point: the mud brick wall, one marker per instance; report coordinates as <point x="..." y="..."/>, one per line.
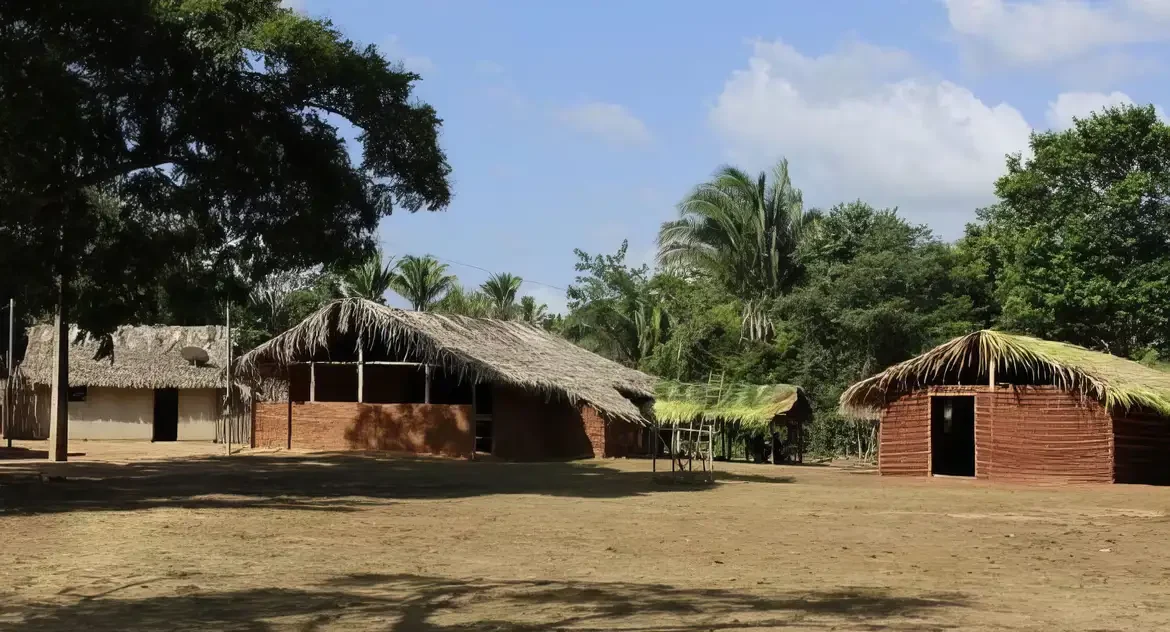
<point x="904" y="448"/>
<point x="1025" y="434"/>
<point x="1042" y="434"/>
<point x="414" y="428"/>
<point x="531" y="427"/>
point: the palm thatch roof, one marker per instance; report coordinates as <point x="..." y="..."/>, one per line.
<point x="1115" y="382"/>
<point x="487" y="350"/>
<point x="753" y="405"/>
<point x="141" y="357"/>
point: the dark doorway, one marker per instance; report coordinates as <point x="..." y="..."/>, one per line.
<point x="166" y="414"/>
<point x="952" y="436"/>
<point x="483" y="417"/>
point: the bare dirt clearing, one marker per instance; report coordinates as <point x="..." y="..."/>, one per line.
<point x="344" y="541"/>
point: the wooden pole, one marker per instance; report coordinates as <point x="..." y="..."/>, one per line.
<point x="227" y="424"/>
<point x="59" y="408"/>
<point x="9" y="405"/>
<point x="991" y="375"/>
<point x="361" y="371"/>
<point x="654" y="449"/>
<point x="312" y="381"/>
<point x="427" y="388"/>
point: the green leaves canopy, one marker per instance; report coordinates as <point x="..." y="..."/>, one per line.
<point x="194" y="139"/>
<point x="1080" y="237"/>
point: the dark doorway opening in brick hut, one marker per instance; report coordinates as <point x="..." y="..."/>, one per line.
<point x="952" y="436"/>
<point x="483" y="417"/>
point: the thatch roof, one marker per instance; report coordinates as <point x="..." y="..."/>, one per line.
<point x="487" y="350"/>
<point x="143" y="357"/>
<point x="1115" y="382"/>
<point x="753" y="405"/>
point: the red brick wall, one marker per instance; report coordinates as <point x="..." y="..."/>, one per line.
<point x="1021" y="434"/>
<point x="1042" y="434"/>
<point x="529" y="427"/>
<point x="1141" y="442"/>
<point x="904" y="448"/>
<point x="270" y="425"/>
<point x="416" y="428"/>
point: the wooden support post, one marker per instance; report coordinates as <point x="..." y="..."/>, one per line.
<point x="312" y="381"/>
<point x="361" y="372"/>
<point x="231" y="409"/>
<point x="59" y="406"/>
<point x="427" y="388"/>
<point x="991" y="377"/>
<point x="9" y="391"/>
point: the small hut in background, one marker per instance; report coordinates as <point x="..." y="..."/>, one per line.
<point x="768" y="417"/>
<point x="1000" y="406"/>
<point x="143" y="388"/>
<point x="364" y="376"/>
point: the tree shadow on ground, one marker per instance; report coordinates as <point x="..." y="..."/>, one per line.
<point x="412" y="603"/>
<point x="324" y="482"/>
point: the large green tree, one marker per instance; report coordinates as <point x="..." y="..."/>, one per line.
<point x="191" y="143"/>
<point x="1080" y="235"/>
<point x="147" y="141"/>
<point x="613" y="310"/>
<point x="742" y="232"/>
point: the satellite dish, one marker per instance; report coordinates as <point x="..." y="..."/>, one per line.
<point x="194" y="355"/>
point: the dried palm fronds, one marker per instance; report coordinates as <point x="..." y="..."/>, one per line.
<point x="482" y="349"/>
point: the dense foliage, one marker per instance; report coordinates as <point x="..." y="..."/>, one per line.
<point x="1076" y="249"/>
<point x="159" y="157"/>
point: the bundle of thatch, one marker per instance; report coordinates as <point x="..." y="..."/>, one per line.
<point x="753" y="406"/>
<point x="481" y="349"/>
<point x="1021" y="360"/>
<point x="138" y="357"/>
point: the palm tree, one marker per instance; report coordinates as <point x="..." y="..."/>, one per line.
<point x="742" y="232"/>
<point x="531" y="312"/>
<point x="464" y="302"/>
<point x="369" y="280"/>
<point x="421" y="281"/>
<point x="501" y="288"/>
<point x="626" y="330"/>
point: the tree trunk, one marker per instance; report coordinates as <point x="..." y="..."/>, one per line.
<point x="59" y="407"/>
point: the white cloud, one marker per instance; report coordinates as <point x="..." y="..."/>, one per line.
<point x="1071" y="105"/>
<point x="392" y="48"/>
<point x="1042" y="32"/>
<point x="860" y="123"/>
<point x="295" y="5"/>
<point x="609" y="121"/>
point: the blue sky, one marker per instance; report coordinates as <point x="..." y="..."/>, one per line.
<point x="580" y="124"/>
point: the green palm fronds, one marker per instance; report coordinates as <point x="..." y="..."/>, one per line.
<point x="753" y="405"/>
<point x="421" y="280"/>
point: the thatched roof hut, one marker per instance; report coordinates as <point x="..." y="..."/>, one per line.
<point x="1115" y="382"/>
<point x="1010" y="407"/>
<point x="754" y="406"/>
<point x="141" y="357"/>
<point x="482" y="349"/>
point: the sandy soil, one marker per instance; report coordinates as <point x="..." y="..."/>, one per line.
<point x="191" y="539"/>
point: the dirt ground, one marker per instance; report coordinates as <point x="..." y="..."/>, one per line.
<point x="187" y="538"/>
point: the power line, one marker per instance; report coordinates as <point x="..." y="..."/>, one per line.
<point x="468" y="265"/>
